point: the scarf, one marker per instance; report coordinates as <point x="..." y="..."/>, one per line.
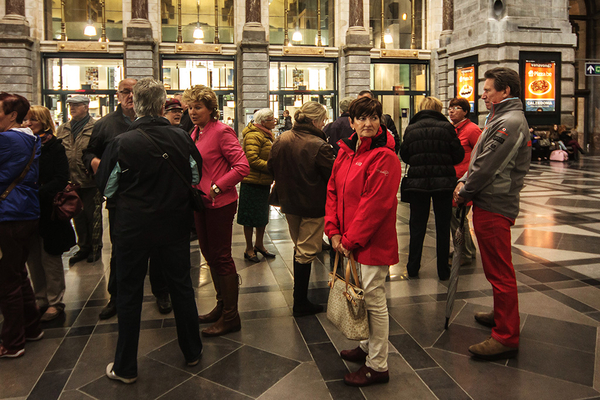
<point x="77" y="126"/>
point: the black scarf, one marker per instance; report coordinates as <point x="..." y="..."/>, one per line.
<point x="77" y="126"/>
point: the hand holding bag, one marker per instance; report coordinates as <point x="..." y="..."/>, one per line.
<point x="346" y="307"/>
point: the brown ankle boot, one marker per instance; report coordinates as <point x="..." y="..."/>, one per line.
<point x="230" y="319"/>
<point x="216" y="312"/>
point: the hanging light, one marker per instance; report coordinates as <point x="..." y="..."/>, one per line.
<point x="198" y="32"/>
<point x="404" y="17"/>
<point x="387" y="39"/>
<point x="90" y="29"/>
<point x="297" y="36"/>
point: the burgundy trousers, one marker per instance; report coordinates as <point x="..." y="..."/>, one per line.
<point x="493" y="237"/>
<point x="214" y="228"/>
<point x="17" y="300"/>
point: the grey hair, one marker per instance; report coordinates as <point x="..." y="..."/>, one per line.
<point x="345" y="103"/>
<point x="262" y="115"/>
<point x="149" y="97"/>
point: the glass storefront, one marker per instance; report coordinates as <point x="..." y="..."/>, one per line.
<point x="97" y="78"/>
<point x="400" y="85"/>
<point x="302" y="22"/>
<point x="398" y="18"/>
<point x="79" y="14"/>
<point x="180" y="73"/>
<point x="293" y="83"/>
<point x="198" y="20"/>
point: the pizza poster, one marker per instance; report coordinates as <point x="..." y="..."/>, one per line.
<point x="465" y="87"/>
<point x="539" y="90"/>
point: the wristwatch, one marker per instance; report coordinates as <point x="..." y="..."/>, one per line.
<point x="216" y="189"/>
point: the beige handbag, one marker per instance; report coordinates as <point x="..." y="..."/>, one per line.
<point x="346" y="307"/>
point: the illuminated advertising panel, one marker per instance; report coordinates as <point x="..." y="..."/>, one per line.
<point x="540" y="86"/>
<point x="465" y="87"/>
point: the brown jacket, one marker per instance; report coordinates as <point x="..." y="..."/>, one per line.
<point x="74" y="149"/>
<point x="301" y="161"/>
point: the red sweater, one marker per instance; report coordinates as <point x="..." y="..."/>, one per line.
<point x="468" y="133"/>
<point x="362" y="199"/>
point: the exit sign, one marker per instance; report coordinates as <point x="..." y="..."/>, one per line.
<point x="592" y="69"/>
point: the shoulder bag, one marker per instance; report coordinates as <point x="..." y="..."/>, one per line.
<point x="67" y="203"/>
<point x="195" y="194"/>
<point x="346" y="307"/>
<point x="4" y="195"/>
<point x="404" y="194"/>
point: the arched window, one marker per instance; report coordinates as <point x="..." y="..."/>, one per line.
<point x="197" y="21"/>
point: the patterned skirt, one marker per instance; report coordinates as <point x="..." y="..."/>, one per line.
<point x="253" y="209"/>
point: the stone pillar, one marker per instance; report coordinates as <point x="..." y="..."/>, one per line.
<point x="140" y="57"/>
<point x="356" y="52"/>
<point x="447" y="23"/>
<point x="252" y="65"/>
<point x="17" y="52"/>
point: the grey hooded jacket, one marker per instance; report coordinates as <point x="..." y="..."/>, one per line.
<point x="499" y="161"/>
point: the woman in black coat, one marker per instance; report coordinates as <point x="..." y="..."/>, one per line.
<point x="431" y="149"/>
<point x="55" y="236"/>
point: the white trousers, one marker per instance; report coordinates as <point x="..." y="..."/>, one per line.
<point x="372" y="279"/>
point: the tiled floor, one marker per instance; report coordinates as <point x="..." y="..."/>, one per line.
<point x="556" y="253"/>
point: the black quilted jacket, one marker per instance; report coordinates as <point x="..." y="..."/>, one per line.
<point x="431" y="148"/>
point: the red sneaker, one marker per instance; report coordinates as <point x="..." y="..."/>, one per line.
<point x="355" y="355"/>
<point x="366" y="376"/>
<point x="5" y="353"/>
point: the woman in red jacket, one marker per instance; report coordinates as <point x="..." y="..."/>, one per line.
<point x="468" y="133"/>
<point x="361" y="219"/>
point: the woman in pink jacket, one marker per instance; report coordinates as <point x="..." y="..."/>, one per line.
<point x="360" y="218"/>
<point x="224" y="165"/>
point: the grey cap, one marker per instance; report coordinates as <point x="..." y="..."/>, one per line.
<point x="345" y="103"/>
<point x="78" y="100"/>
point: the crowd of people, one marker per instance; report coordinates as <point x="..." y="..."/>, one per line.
<point x="152" y="155"/>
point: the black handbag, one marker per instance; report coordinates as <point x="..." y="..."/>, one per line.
<point x="404" y="194"/>
<point x="195" y="194"/>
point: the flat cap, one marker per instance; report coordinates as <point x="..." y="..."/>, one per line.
<point x="78" y="100"/>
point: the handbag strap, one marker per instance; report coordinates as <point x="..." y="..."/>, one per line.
<point x="350" y="269"/>
<point x="20" y="177"/>
<point x="165" y="155"/>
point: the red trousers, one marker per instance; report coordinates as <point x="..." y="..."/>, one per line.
<point x="214" y="228"/>
<point x="493" y="236"/>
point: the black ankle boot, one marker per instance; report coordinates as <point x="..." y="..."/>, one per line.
<point x="302" y="306"/>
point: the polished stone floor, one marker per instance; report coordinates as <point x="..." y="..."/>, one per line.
<point x="556" y="253"/>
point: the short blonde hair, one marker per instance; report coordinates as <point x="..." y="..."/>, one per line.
<point x="309" y="112"/>
<point x="42" y="114"/>
<point x="431" y="103"/>
<point x="204" y="95"/>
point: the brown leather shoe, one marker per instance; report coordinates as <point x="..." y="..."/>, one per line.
<point x="486" y="318"/>
<point x="492" y="350"/>
<point x="366" y="376"/>
<point x="354" y="355"/>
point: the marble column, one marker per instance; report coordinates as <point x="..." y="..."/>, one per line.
<point x="18" y="59"/>
<point x="252" y="65"/>
<point x="356" y="53"/>
<point x="141" y="52"/>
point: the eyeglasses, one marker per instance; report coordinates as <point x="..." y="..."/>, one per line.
<point x="125" y="92"/>
<point x="455" y="108"/>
